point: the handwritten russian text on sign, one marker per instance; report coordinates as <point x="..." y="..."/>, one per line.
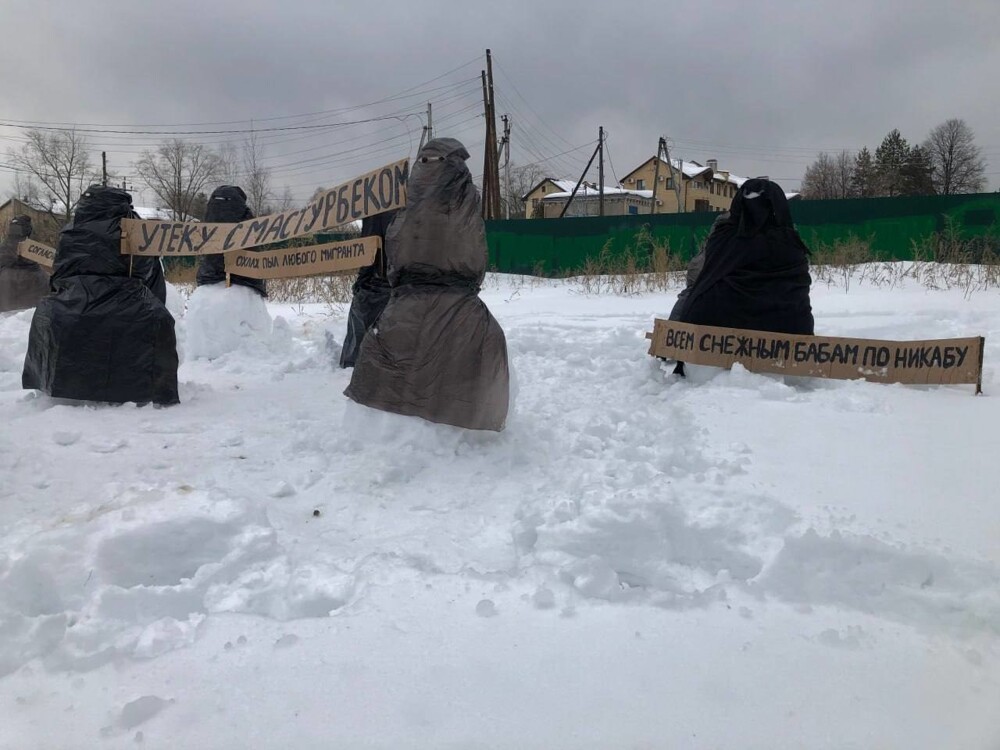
<point x="43" y="255"/>
<point x="376" y="192"/>
<point x="304" y="261"/>
<point x="935" y="362"/>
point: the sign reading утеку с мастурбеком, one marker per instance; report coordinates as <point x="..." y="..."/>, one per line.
<point x="381" y="190"/>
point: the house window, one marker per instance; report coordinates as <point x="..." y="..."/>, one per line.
<point x="633" y="209"/>
<point x="534" y="203"/>
<point x="670" y="183"/>
<point x="640" y="184"/>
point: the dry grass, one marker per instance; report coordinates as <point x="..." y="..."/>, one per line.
<point x="646" y="265"/>
<point x="944" y="260"/>
<point x="179" y="272"/>
<point x="333" y="290"/>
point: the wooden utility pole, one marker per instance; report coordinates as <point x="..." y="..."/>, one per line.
<point x="680" y="174"/>
<point x="600" y="171"/>
<point x="580" y="182"/>
<point x="104" y="168"/>
<point x="491" y="171"/>
<point x="487" y="162"/>
<point x="426" y="133"/>
<point x="505" y="147"/>
<point x="656" y="173"/>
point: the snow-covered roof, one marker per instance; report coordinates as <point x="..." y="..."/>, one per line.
<point x="589" y="191"/>
<point x="692" y="169"/>
<point x="565" y="186"/>
<point x="148" y="213"/>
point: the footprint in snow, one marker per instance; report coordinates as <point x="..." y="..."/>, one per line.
<point x="108" y="446"/>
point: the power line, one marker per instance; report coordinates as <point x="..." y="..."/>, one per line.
<point x="218" y="132"/>
<point x="610" y="160"/>
<point x="405" y="93"/>
<point x="509" y="80"/>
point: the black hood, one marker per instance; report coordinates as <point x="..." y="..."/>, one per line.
<point x="91" y="244"/>
<point x="20" y="228"/>
<point x="227" y="205"/>
<point x="760" y="205"/>
<point x="100" y="203"/>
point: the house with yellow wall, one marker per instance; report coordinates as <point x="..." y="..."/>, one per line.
<point x="533" y="207"/>
<point x="547" y="199"/>
<point x="702" y="188"/>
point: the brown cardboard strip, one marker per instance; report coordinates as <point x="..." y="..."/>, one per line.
<point x="930" y="362"/>
<point x="381" y="190"/>
<point x="304" y="261"/>
<point x="43" y="255"/>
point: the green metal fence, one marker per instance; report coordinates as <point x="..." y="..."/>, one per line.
<point x="890" y="225"/>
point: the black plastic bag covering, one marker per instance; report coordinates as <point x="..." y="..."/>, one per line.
<point x="102" y="335"/>
<point x="756" y="271"/>
<point x="84" y="249"/>
<point x="695" y="265"/>
<point x="370" y="291"/>
<point x="436" y="352"/>
<point x="227" y="205"/>
<point x="22" y="281"/>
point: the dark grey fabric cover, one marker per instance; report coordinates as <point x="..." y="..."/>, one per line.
<point x="436" y="352"/>
<point x="371" y="291"/>
<point x="227" y="205"/>
<point x="22" y="282"/>
<point x="104" y="333"/>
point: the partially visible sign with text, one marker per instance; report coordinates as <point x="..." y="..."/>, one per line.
<point x="43" y="255"/>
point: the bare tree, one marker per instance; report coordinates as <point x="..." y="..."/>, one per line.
<point x="256" y="177"/>
<point x="231" y="172"/>
<point x="177" y="172"/>
<point x="60" y="162"/>
<point x="843" y="174"/>
<point x="956" y="162"/>
<point x="277" y="205"/>
<point x="522" y="179"/>
<point x="244" y="167"/>
<point x="828" y="177"/>
<point x="27" y="190"/>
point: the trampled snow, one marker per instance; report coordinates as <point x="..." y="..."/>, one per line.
<point x="734" y="560"/>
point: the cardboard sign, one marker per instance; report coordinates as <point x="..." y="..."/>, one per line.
<point x="376" y="192"/>
<point x="936" y="362"/>
<point x="304" y="261"/>
<point x="43" y="255"/>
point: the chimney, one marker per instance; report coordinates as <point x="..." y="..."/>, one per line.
<point x="713" y="164"/>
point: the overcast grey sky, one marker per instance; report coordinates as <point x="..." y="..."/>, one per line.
<point x="761" y="86"/>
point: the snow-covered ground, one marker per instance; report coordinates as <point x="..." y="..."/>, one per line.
<point x="731" y="561"/>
